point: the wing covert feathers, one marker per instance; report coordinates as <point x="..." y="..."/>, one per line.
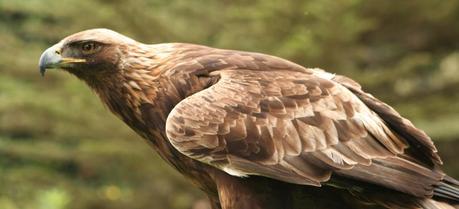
<point x="423" y="148"/>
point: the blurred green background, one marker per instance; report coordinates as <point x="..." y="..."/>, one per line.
<point x="60" y="148"/>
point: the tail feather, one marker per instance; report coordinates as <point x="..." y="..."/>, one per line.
<point x="450" y="180"/>
<point x="448" y="190"/>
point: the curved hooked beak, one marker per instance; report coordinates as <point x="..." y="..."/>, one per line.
<point x="52" y="58"/>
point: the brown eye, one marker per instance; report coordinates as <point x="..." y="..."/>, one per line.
<point x="88" y="48"/>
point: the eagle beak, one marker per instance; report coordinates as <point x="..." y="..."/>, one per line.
<point x="52" y="58"/>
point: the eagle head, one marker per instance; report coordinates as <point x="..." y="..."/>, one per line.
<point x="90" y="54"/>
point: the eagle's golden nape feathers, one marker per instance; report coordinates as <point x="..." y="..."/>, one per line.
<point x="257" y="131"/>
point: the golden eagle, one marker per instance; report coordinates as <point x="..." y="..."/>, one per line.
<point x="256" y="131"/>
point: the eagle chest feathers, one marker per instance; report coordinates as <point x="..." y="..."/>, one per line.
<point x="257" y="131"/>
<point x="150" y="88"/>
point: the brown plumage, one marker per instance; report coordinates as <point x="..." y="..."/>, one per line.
<point x="257" y="131"/>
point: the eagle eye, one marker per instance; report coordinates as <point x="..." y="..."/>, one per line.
<point x="89" y="47"/>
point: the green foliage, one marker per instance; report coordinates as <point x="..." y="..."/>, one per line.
<point x="60" y="148"/>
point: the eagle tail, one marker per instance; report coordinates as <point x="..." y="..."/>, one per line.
<point x="448" y="189"/>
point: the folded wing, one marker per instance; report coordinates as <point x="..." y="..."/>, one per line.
<point x="301" y="128"/>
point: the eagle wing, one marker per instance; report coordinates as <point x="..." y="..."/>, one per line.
<point x="300" y="126"/>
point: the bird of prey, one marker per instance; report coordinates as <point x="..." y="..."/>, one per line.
<point x="256" y="131"/>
